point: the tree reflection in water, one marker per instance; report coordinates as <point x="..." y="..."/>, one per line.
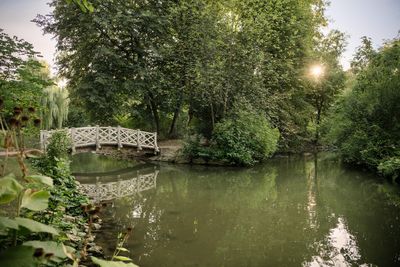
<point x="288" y="212"/>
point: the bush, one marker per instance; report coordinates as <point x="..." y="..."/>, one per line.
<point x="245" y="138"/>
<point x="56" y="165"/>
<point x="242" y="139"/>
<point x="194" y="149"/>
<point x="390" y="167"/>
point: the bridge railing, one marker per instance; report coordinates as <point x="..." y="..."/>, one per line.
<point x="98" y="136"/>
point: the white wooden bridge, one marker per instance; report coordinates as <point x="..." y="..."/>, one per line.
<point x="112" y="190"/>
<point x="98" y="136"/>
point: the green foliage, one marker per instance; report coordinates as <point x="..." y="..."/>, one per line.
<point x="35" y="200"/>
<point x="34" y="253"/>
<point x="322" y="90"/>
<point x="58" y="146"/>
<point x="364" y="124"/>
<point x="77" y="117"/>
<point x="22" y="76"/>
<point x="9" y="189"/>
<point x="180" y="64"/>
<point x="390" y="167"/>
<point x="41" y="202"/>
<point x="84" y="5"/>
<point x="32" y="196"/>
<point x="244" y="139"/>
<point x="56" y="164"/>
<point x="55" y="103"/>
<point x="194" y="149"/>
<point x="34" y="226"/>
<point x="19" y="256"/>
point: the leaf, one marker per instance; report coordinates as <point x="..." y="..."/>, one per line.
<point x="20" y="256"/>
<point x="9" y="189"/>
<point x="104" y="263"/>
<point x="7" y="223"/>
<point x="40" y="179"/>
<point x="35" y="200"/>
<point x="122" y="249"/>
<point x="35" y="226"/>
<point x="51" y="247"/>
<point x="122" y="258"/>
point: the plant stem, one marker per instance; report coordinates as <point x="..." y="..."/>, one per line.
<point x="19" y="200"/>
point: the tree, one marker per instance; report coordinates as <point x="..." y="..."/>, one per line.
<point x="363" y="55"/>
<point x="22" y="76"/>
<point x="323" y="90"/>
<point x="187" y="63"/>
<point x="365" y="125"/>
<point x="55" y="103"/>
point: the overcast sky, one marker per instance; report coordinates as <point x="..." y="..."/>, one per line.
<point x="378" y="19"/>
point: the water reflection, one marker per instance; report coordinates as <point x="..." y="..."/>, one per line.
<point x="312" y="193"/>
<point x="288" y="212"/>
<point x="339" y="248"/>
<point x="124" y="183"/>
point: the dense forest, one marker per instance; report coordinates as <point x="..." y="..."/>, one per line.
<point x="239" y="80"/>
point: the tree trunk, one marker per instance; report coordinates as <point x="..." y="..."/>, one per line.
<point x="317" y="122"/>
<point x="190" y="115"/>
<point x="154" y="110"/>
<point x="172" y="130"/>
<point x="212" y="116"/>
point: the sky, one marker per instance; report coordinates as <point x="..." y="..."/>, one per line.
<point x="378" y="19"/>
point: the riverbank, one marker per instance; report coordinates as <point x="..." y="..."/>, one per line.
<point x="172" y="151"/>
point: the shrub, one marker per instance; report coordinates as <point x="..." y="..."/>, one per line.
<point x="56" y="165"/>
<point x="194" y="149"/>
<point x="244" y="138"/>
<point x="390" y="167"/>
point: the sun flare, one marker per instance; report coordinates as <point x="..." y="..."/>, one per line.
<point x="317" y="71"/>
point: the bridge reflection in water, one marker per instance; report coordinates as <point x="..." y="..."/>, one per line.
<point x="108" y="186"/>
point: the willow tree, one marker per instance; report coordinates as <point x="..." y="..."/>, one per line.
<point x="55" y="107"/>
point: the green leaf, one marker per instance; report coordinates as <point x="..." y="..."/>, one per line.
<point x="35" y="226"/>
<point x="20" y="256"/>
<point x="7" y="223"/>
<point x="9" y="189"/>
<point x="104" y="263"/>
<point x="50" y="247"/>
<point x="122" y="249"/>
<point x="35" y="200"/>
<point x="41" y="179"/>
<point x="122" y="258"/>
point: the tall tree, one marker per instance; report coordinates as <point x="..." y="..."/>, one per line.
<point x="364" y="54"/>
<point x="193" y="61"/>
<point x="322" y="90"/>
<point x="22" y="76"/>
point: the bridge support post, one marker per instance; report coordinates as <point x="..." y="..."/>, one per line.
<point x="119" y="137"/>
<point x="97" y="138"/>
<point x="139" y="147"/>
<point x="156" y="149"/>
<point x="73" y="140"/>
<point x="43" y="140"/>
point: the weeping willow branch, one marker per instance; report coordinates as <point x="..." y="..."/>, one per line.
<point x="55" y="103"/>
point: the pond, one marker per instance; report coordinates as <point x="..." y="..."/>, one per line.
<point x="297" y="211"/>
